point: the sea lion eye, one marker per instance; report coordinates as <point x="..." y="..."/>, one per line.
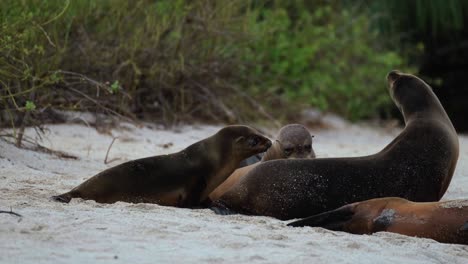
<point x="253" y="141"/>
<point x="308" y="147"/>
<point x="288" y="151"/>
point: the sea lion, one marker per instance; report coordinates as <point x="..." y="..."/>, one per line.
<point x="417" y="165"/>
<point x="294" y="141"/>
<point x="445" y="222"/>
<point x="251" y="160"/>
<point x="182" y="179"/>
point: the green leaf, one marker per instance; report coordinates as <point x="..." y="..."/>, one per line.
<point x="55" y="77"/>
<point x="30" y="106"/>
<point x="115" y="87"/>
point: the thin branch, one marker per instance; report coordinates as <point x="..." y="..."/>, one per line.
<point x="216" y="102"/>
<point x="59" y="15"/>
<point x="57" y="153"/>
<point x="81" y="76"/>
<point x="10" y="212"/>
<point x="46" y="35"/>
<point x="24" y="120"/>
<point x="98" y="104"/>
<point x="254" y="103"/>
<point x="37" y="147"/>
<point x="92" y="81"/>
<point x="108" y="150"/>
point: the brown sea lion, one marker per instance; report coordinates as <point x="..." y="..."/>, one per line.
<point x="446" y="222"/>
<point x="293" y="141"/>
<point x="417" y="165"/>
<point x="182" y="179"/>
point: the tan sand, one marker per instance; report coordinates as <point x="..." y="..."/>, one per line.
<point x="87" y="232"/>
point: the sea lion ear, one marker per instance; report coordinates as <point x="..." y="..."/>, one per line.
<point x="240" y="139"/>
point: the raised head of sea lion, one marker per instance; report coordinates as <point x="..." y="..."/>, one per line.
<point x="182" y="179"/>
<point x="442" y="221"/>
<point x="294" y="141"/>
<point x="417" y="165"/>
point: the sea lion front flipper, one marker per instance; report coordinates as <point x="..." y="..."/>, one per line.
<point x="63" y="198"/>
<point x="332" y="220"/>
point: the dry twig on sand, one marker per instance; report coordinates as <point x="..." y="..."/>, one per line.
<point x="11" y="213"/>
<point x="107" y="153"/>
<point x="38" y="147"/>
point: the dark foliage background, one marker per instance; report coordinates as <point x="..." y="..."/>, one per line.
<point x="438" y="31"/>
<point x="172" y="61"/>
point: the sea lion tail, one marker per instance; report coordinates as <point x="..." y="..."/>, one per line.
<point x="63" y="198"/>
<point x="332" y="220"/>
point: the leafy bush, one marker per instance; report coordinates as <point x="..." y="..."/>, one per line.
<point x="326" y="57"/>
<point x="180" y="60"/>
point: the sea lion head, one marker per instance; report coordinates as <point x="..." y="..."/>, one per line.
<point x="295" y="142"/>
<point x="410" y="93"/>
<point x="244" y="140"/>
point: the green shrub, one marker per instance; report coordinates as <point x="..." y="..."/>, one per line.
<point x="162" y="60"/>
<point x="180" y="60"/>
<point x="324" y="56"/>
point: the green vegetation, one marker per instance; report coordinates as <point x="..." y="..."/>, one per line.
<point x="438" y="31"/>
<point x="180" y="60"/>
<point x="431" y="18"/>
<point x="324" y="56"/>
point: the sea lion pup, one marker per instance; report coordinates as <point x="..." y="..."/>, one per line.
<point x="182" y="179"/>
<point x="417" y="165"/>
<point x="293" y="141"/>
<point x="445" y="222"/>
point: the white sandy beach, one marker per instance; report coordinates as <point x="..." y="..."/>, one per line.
<point x="88" y="232"/>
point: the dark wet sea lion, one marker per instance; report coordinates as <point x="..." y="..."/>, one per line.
<point x="417" y="165"/>
<point x="445" y="222"/>
<point x="294" y="141"/>
<point x="183" y="179"/>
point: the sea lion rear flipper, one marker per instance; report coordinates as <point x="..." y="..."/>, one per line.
<point x="63" y="198"/>
<point x="332" y="220"/>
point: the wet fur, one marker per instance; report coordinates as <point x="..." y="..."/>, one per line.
<point x="417" y="165"/>
<point x="292" y="135"/>
<point x="429" y="220"/>
<point x="182" y="179"/>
